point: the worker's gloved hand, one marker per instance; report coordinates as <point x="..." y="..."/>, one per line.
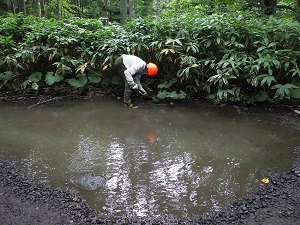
<point x="134" y="86"/>
<point x="143" y="92"/>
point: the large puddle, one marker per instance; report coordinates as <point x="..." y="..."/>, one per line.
<point x="158" y="159"/>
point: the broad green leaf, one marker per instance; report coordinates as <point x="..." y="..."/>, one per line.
<point x="276" y="63"/>
<point x="283" y="91"/>
<point x="173" y="95"/>
<point x="162" y="94"/>
<point x="35" y="77"/>
<point x="267" y="79"/>
<point x="208" y="43"/>
<point x="295" y="71"/>
<point x="94" y="78"/>
<point x="173" y="81"/>
<point x="295" y="93"/>
<point x="117" y="80"/>
<point x="165" y="84"/>
<point x="7" y="75"/>
<point x="261" y="96"/>
<point x="221" y="93"/>
<point x="79" y="82"/>
<point x="272" y="44"/>
<point x="50" y="79"/>
<point x="178" y="41"/>
<point x="255" y="68"/>
<point x="261" y="48"/>
<point x="182" y="95"/>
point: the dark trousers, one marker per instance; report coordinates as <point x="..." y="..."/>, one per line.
<point x="119" y="65"/>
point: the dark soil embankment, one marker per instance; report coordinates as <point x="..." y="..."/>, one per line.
<point x="23" y="201"/>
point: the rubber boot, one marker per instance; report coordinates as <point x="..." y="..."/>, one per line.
<point x="130" y="105"/>
<point x="127" y="94"/>
<point x="127" y="98"/>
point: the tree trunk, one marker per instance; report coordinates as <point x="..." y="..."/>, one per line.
<point x="58" y="10"/>
<point x="11" y="6"/>
<point x="123" y="11"/>
<point x="4" y="7"/>
<point x="24" y="7"/>
<point x="158" y="6"/>
<point x="78" y="10"/>
<point x="131" y="8"/>
<point x="43" y="11"/>
<point x="298" y="11"/>
<point x="18" y="6"/>
<point x="177" y="5"/>
<point x="36" y="8"/>
<point x="268" y="7"/>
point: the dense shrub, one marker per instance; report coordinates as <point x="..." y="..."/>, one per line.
<point x="236" y="58"/>
<point x="222" y="56"/>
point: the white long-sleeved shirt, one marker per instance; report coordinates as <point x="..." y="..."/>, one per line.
<point x="135" y="67"/>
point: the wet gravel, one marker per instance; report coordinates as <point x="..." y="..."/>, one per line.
<point x="24" y="201"/>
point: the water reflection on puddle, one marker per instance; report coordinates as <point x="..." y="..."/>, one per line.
<point x="156" y="159"/>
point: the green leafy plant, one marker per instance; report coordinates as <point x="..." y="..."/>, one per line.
<point x="35" y="77"/>
<point x="50" y="78"/>
<point x="7" y="75"/>
<point x="165" y="91"/>
<point x="79" y="82"/>
<point x="224" y="56"/>
<point x="295" y="92"/>
<point x="32" y="81"/>
<point x="283" y="91"/>
<point x="94" y="78"/>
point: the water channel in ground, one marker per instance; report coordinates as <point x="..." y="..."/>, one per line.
<point x="158" y="159"/>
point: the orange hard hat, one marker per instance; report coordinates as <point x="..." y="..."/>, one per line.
<point x="152" y="69"/>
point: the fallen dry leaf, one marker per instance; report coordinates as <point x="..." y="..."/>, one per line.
<point x="265" y="180"/>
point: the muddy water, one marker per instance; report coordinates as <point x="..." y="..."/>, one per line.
<point x="181" y="160"/>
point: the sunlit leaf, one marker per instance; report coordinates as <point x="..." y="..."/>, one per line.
<point x="81" y="68"/>
<point x="25" y="84"/>
<point x="34" y="86"/>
